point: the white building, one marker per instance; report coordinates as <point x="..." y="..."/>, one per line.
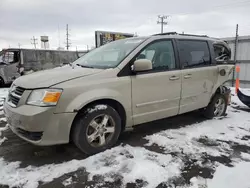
<point x="242" y="57"/>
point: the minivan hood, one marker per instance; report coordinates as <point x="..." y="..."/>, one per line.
<point x="54" y="76"/>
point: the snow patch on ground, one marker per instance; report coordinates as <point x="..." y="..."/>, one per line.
<point x="67" y="182"/>
<point x="130" y="162"/>
<point x="97" y="107"/>
<point x="245" y="156"/>
<point x="2" y="140"/>
<point x="189" y="140"/>
<point x="3" y="119"/>
<point x="136" y="163"/>
<point x="238" y="176"/>
<point x="198" y="182"/>
<point x="3" y="93"/>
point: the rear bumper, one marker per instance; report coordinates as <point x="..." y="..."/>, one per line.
<point x="39" y="125"/>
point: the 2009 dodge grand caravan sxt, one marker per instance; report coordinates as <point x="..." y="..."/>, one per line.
<point x="117" y="86"/>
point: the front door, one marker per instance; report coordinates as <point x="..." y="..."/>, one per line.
<point x="198" y="74"/>
<point x="156" y="93"/>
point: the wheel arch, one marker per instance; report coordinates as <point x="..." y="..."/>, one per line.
<point x="108" y="101"/>
<point x="221" y="89"/>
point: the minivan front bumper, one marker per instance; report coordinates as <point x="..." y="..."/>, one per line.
<point x="39" y="125"/>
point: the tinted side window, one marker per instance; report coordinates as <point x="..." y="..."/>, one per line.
<point x="161" y="53"/>
<point x="194" y="53"/>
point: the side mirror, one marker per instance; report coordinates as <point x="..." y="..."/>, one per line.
<point x="142" y="65"/>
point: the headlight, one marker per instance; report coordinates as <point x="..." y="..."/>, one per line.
<point x="44" y="97"/>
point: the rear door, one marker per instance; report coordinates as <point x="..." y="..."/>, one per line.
<point x="198" y="74"/>
<point x="156" y="93"/>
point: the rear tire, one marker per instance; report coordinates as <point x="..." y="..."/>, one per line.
<point x="96" y="129"/>
<point x="217" y="107"/>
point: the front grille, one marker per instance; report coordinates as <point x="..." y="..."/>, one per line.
<point x="15" y="95"/>
<point x="35" y="136"/>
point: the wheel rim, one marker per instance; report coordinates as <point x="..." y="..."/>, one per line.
<point x="100" y="130"/>
<point x="219" y="107"/>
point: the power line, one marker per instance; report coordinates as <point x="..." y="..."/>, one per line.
<point x="33" y="41"/>
<point x="161" y="21"/>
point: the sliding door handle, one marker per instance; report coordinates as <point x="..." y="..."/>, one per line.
<point x="187" y="76"/>
<point x="172" y="78"/>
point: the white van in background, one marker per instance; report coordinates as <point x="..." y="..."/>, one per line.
<point x="15" y="62"/>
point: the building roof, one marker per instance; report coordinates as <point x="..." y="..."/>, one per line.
<point x="240" y="38"/>
<point x="38" y="49"/>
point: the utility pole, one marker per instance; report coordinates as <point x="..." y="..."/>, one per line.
<point x="19" y="45"/>
<point x="161" y="20"/>
<point x="33" y="42"/>
<point x="235" y="50"/>
<point x="67" y="37"/>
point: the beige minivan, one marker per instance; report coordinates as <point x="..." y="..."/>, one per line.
<point x="117" y="86"/>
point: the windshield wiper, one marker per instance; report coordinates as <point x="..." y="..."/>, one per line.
<point x="85" y="66"/>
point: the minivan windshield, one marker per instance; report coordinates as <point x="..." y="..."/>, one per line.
<point x="109" y="55"/>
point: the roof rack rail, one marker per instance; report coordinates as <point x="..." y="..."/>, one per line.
<point x="168" y="33"/>
<point x="193" y="35"/>
<point x="175" y="33"/>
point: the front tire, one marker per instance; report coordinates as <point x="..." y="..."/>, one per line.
<point x="217" y="107"/>
<point x="96" y="129"/>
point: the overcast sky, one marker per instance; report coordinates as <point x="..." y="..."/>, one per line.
<point x="20" y="20"/>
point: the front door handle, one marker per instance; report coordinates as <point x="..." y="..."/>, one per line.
<point x="174" y="78"/>
<point x="187" y="76"/>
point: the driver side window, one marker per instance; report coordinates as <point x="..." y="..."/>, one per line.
<point x="161" y="54"/>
